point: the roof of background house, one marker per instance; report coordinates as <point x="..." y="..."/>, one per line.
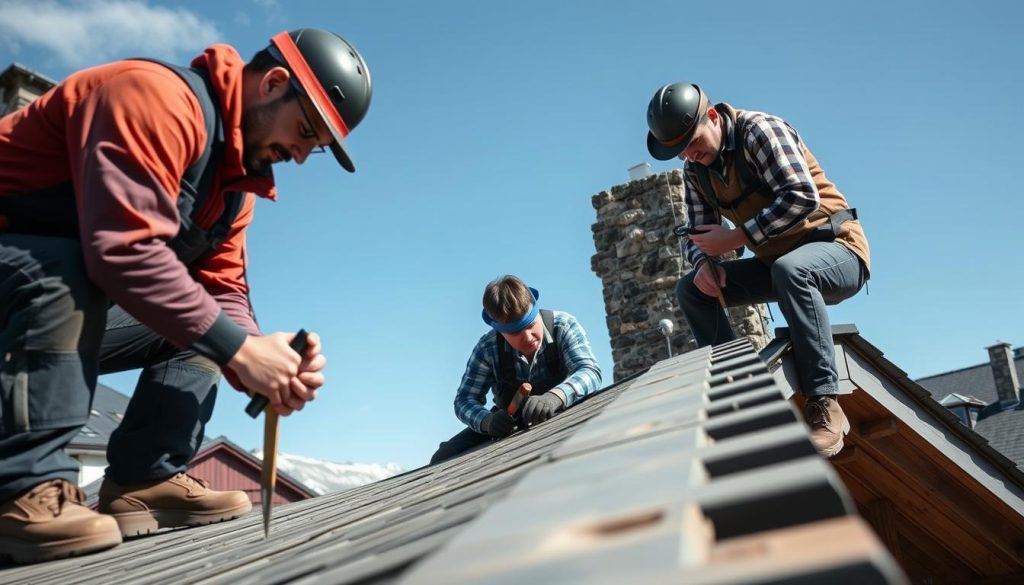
<point x="19" y="69"/>
<point x="108" y="406"/>
<point x="227" y="444"/>
<point x="975" y="381"/>
<point x="1003" y="426"/>
<point x="696" y="471"/>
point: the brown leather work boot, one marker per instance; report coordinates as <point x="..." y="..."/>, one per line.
<point x="177" y="501"/>
<point x="49" y="522"/>
<point x="828" y="424"/>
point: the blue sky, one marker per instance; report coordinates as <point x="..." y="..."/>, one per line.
<point x="493" y="124"/>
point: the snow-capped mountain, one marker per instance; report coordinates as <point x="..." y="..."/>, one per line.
<point x="324" y="477"/>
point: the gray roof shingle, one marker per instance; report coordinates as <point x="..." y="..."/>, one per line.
<point x="637" y="484"/>
<point x="1004" y="429"/>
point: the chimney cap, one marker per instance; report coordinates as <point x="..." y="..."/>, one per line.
<point x="998" y="344"/>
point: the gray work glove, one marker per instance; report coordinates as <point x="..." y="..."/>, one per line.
<point x="540" y="408"/>
<point x="498" y="424"/>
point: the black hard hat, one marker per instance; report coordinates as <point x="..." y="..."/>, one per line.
<point x="334" y="76"/>
<point x="672" y="116"/>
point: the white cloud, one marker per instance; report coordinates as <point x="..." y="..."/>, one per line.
<point x="81" y="32"/>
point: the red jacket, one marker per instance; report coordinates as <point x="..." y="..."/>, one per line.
<point x="123" y="134"/>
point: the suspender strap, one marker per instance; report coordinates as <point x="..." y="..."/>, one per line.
<point x="192" y="242"/>
<point x="840" y="217"/>
<point x="198" y="177"/>
<point x="508" y="382"/>
<point x="748" y="180"/>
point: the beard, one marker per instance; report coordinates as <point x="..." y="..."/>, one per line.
<point x="257" y="125"/>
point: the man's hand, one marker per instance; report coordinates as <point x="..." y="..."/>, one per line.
<point x="714" y="239"/>
<point x="705" y="280"/>
<point x="266" y="365"/>
<point x="498" y="424"/>
<point x="540" y="408"/>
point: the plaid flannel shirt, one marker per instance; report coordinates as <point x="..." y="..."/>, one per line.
<point x="481" y="373"/>
<point x="773" y="151"/>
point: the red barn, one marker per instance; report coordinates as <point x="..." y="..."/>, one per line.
<point x="226" y="466"/>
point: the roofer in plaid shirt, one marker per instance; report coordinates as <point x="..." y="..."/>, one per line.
<point x="809" y="248"/>
<point x="549" y="350"/>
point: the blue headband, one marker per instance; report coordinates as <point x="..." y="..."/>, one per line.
<point x="522" y="323"/>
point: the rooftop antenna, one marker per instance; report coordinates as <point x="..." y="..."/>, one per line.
<point x="665" y="326"/>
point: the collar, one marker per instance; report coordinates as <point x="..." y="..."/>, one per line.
<point x="225" y="67"/>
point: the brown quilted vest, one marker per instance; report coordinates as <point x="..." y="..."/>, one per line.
<point x="739" y="200"/>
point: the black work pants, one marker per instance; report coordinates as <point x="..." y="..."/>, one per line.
<point x="464" y="441"/>
<point x="57" y="333"/>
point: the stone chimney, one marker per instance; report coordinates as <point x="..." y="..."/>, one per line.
<point x="1004" y="372"/>
<point x="639" y="261"/>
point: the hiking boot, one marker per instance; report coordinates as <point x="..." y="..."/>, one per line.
<point x="49" y="522"/>
<point x="180" y="500"/>
<point x="828" y="424"/>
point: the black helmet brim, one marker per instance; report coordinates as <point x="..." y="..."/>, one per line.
<point x="664" y="152"/>
<point x="341" y="155"/>
<point x="284" y="47"/>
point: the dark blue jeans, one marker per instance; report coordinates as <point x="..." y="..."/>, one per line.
<point x="57" y="332"/>
<point x="465" y="440"/>
<point x="802" y="282"/>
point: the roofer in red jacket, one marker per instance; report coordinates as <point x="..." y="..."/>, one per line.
<point x="125" y="194"/>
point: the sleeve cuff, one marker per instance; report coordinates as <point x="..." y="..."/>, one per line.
<point x="753" y="232"/>
<point x="561" y="393"/>
<point x="221" y="341"/>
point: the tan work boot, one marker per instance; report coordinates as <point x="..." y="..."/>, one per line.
<point x="177" y="501"/>
<point x="49" y="522"/>
<point x="828" y="424"/>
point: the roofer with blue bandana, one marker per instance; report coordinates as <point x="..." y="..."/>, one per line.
<point x="548" y="350"/>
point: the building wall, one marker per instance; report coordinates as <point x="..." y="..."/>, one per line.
<point x="91" y="466"/>
<point x="224" y="471"/>
<point x="20" y="86"/>
<point x="639" y="262"/>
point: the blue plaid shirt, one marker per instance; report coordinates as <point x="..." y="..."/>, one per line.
<point x="774" y="154"/>
<point x="482" y="369"/>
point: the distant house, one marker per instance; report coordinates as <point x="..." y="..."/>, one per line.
<point x="89" y="447"/>
<point x="226" y="466"/>
<point x="223" y="464"/>
<point x="20" y="86"/>
<point x="987" y="398"/>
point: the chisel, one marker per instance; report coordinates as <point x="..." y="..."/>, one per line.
<point x="268" y="477"/>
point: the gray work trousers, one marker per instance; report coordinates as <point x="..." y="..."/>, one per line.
<point x="802" y="282"/>
<point x="57" y="333"/>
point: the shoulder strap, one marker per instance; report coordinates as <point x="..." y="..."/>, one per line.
<point x="197" y="180"/>
<point x="748" y="180"/>
<point x="700" y="172"/>
<point x="506" y="374"/>
<point x="199" y="175"/>
<point x="552" y="355"/>
<point x="742" y="165"/>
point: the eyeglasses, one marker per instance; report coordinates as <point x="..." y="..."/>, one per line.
<point x="312" y="135"/>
